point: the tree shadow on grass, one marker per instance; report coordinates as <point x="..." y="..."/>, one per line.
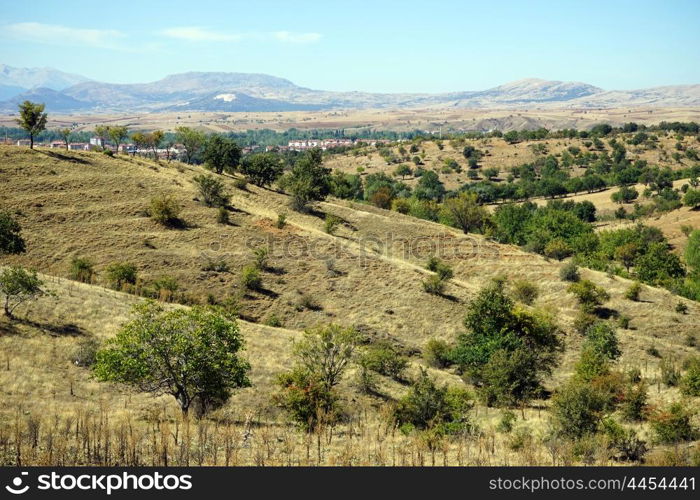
<point x="60" y="156"/>
<point x="57" y="330"/>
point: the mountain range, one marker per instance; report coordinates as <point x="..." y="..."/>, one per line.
<point x="234" y="92"/>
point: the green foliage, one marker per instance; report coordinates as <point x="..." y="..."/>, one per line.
<point x="633" y="292"/>
<point x="601" y="336"/>
<point x="437" y="353"/>
<point x="692" y="250"/>
<point x="658" y="264"/>
<point x="192" y="140"/>
<point x="692" y="198"/>
<point x="346" y="186"/>
<point x="222" y="216"/>
<point x="634" y="403"/>
<point x="505" y="425"/>
<point x="577" y="409"/>
<point x="670" y="373"/>
<point x="308" y="180"/>
<point x="674" y="424"/>
<point x="625" y="195"/>
<point x="506" y="350"/>
<point x="331" y="223"/>
<point x="211" y="190"/>
<point x="430" y="187"/>
<point x="32" y="119"/>
<point x="17" y="285"/>
<point x="429" y="406"/>
<point x="434" y="285"/>
<point x="221" y="154"/>
<point x="85" y="353"/>
<point x="165" y="210"/>
<point x="588" y="294"/>
<point x="306" y="400"/>
<point x="525" y="291"/>
<point x="557" y="249"/>
<point x="681" y="307"/>
<point x="81" y="269"/>
<point x="463" y="212"/>
<point x="690" y="382"/>
<point x="261" y="258"/>
<point x="624" y="444"/>
<point x="281" y="221"/>
<point x="251" y="278"/>
<point x="11" y="241"/>
<point x="385" y="359"/>
<point x="569" y="272"/>
<point x="440" y="268"/>
<point x="120" y="274"/>
<point x="263" y="168"/>
<point x="200" y="342"/>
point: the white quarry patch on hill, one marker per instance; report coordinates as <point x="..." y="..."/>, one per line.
<point x="226" y="97"/>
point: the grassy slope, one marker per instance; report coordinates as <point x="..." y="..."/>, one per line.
<point x="86" y="204"/>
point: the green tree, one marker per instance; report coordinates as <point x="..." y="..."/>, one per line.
<point x="577" y="409"/>
<point x="11" y="241"/>
<point x="403" y="170"/>
<point x="32" y="119"/>
<point x="191" y="354"/>
<point x="211" y="190"/>
<point x="17" y="286"/>
<point x="263" y="168"/>
<point x="192" y="140"/>
<point x="308" y="180"/>
<point x="430" y="187"/>
<point x="117" y="134"/>
<point x="692" y="198"/>
<point x="221" y="154"/>
<point x="464" y="212"/>
<point x="497" y="331"/>
<point x="154" y="140"/>
<point x="588" y="294"/>
<point x="65" y="134"/>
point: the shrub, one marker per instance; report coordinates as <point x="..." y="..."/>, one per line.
<point x="634" y="402"/>
<point x="577" y="409"/>
<point x="569" y="272"/>
<point x="217" y="266"/>
<point x="690" y="382"/>
<point x="434" y="285"/>
<point x="165" y="210"/>
<point x="525" y="291"/>
<point x="165" y="287"/>
<point x="331" y="223"/>
<point x="437" y="353"/>
<point x="306" y="400"/>
<point x="429" y="406"/>
<point x="211" y="190"/>
<point x="11" y="241"/>
<point x="601" y="336"/>
<point x="588" y="294"/>
<point x="624" y="321"/>
<point x="673" y="424"/>
<point x="251" y="279"/>
<point x="443" y="271"/>
<point x="681" y="308"/>
<point x="261" y="256"/>
<point x="401" y="205"/>
<point x="309" y="302"/>
<point x="281" y="220"/>
<point x="240" y="183"/>
<point x="557" y="249"/>
<point x="17" y="285"/>
<point x="624" y="444"/>
<point x="81" y="269"/>
<point x="583" y="321"/>
<point x="222" y="216"/>
<point x="385" y="359"/>
<point x="274" y="321"/>
<point x="505" y="425"/>
<point x="85" y="353"/>
<point x="633" y="291"/>
<point x="120" y="274"/>
<point x="670" y="374"/>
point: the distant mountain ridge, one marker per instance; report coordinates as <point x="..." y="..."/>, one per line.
<point x="202" y="91"/>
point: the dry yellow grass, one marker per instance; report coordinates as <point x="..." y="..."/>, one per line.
<point x="86" y="204"/>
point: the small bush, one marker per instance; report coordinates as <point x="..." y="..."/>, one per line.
<point x="309" y="302"/>
<point x="505" y="425"/>
<point x="588" y="294"/>
<point x="583" y="321"/>
<point x="165" y="287"/>
<point x="261" y="257"/>
<point x="670" y="374"/>
<point x="281" y="220"/>
<point x="634" y="402"/>
<point x="525" y="291"/>
<point x="251" y="279"/>
<point x="222" y="216"/>
<point x="212" y="190"/>
<point x="437" y="266"/>
<point x="217" y="266"/>
<point x="85" y="353"/>
<point x="577" y="409"/>
<point x="690" y="382"/>
<point x="652" y="350"/>
<point x="273" y="321"/>
<point x="681" y="308"/>
<point x="241" y="183"/>
<point x="624" y="321"/>
<point x="634" y="291"/>
<point x="624" y="444"/>
<point x="82" y="269"/>
<point x="437" y="353"/>
<point x="165" y="210"/>
<point x="557" y="249"/>
<point x="385" y="359"/>
<point x="569" y="272"/>
<point x="673" y="424"/>
<point x="331" y="223"/>
<point x="120" y="274"/>
<point x="434" y="285"/>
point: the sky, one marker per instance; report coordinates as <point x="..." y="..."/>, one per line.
<point x="377" y="46"/>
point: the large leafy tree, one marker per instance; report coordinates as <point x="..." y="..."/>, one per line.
<point x="191" y="354"/>
<point x="308" y="180"/>
<point x="193" y="140"/>
<point x="17" y="285"/>
<point x="692" y="250"/>
<point x="263" y="168"/>
<point x="32" y="119"/>
<point x="11" y="241"/>
<point x="463" y="211"/>
<point x="118" y="135"/>
<point x="222" y="154"/>
<point x="506" y="350"/>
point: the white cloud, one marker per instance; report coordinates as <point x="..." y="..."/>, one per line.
<point x="198" y="34"/>
<point x="63" y="35"/>
<point x="287" y="36"/>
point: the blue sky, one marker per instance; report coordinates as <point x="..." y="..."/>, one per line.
<point x="383" y="46"/>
